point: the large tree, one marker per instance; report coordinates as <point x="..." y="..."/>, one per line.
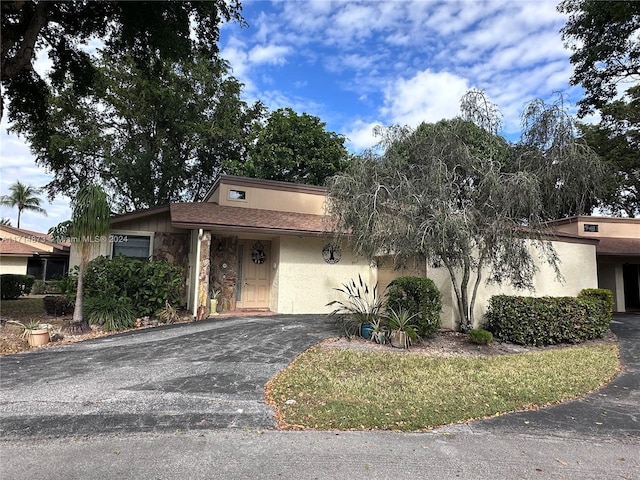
<point x="617" y="140"/>
<point x="463" y="197"/>
<point x="25" y="197"/>
<point x="149" y="137"/>
<point x="295" y="148"/>
<point x="170" y="30"/>
<point x="605" y="39"/>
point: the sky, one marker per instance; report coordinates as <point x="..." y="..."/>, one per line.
<point x="359" y="64"/>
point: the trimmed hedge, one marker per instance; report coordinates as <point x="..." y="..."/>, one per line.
<point x="13" y="285"/>
<point x="47" y="287"/>
<point x="550" y="320"/>
<point x="58" y="305"/>
<point x="419" y="296"/>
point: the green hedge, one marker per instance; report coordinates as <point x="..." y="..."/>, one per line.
<point x="13" y="285"/>
<point x="147" y="283"/>
<point x="420" y="296"/>
<point x="58" y="305"/>
<point x="47" y="287"/>
<point x="550" y="320"/>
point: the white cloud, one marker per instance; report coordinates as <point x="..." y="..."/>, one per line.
<point x="269" y="54"/>
<point x="426" y="97"/>
<point x="360" y="135"/>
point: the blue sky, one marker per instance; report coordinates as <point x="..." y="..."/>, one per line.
<point x="358" y="64"/>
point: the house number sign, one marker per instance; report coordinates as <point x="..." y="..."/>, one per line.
<point x="331" y="253"/>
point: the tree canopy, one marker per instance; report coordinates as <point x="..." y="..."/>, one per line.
<point x="295" y="148"/>
<point x="148" y="30"/>
<point x="463" y="197"/>
<point x="148" y="137"/>
<point x="604" y="37"/>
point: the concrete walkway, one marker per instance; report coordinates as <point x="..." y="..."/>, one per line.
<point x="187" y="402"/>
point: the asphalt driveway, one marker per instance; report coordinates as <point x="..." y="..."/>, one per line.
<point x="205" y="375"/>
<point x="210" y="375"/>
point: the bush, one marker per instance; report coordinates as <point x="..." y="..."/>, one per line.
<point x="113" y="314"/>
<point x="58" y="305"/>
<point x="480" y="336"/>
<point x="13" y="285"/>
<point x="420" y="297"/>
<point x="46" y="287"/>
<point x="361" y="305"/>
<point x="548" y="320"/>
<point x="148" y="284"/>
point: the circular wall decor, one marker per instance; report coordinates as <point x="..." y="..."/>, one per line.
<point x="331" y="253"/>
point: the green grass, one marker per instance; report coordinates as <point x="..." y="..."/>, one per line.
<point x="346" y="389"/>
<point x="21" y="308"/>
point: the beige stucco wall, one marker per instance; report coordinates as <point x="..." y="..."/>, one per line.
<point x="607" y="227"/>
<point x="578" y="267"/>
<point x="303" y="283"/>
<point x="269" y="199"/>
<point x="15" y="265"/>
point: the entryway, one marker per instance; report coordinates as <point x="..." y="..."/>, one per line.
<point x="254" y="268"/>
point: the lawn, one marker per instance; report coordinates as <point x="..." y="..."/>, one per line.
<point x="346" y="389"/>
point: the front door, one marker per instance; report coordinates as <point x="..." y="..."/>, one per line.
<point x="253" y="280"/>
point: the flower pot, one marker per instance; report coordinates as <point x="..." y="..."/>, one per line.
<point x="366" y="329"/>
<point x="39" y="337"/>
<point x="214" y="308"/>
<point x="399" y="339"/>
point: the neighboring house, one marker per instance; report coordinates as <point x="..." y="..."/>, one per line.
<point x="264" y="245"/>
<point x="32" y="253"/>
<point x="618" y="254"/>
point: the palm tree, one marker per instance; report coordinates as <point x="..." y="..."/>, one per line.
<point x="24" y="197"/>
<point x="90" y="220"/>
<point x="5" y="221"/>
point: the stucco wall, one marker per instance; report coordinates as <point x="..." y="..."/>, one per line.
<point x="304" y="283"/>
<point x="578" y="267"/>
<point x="15" y="265"/>
<point x="271" y="199"/>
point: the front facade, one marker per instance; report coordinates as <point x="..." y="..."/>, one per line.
<point x="618" y="254"/>
<point x="265" y="246"/>
<point x="25" y="252"/>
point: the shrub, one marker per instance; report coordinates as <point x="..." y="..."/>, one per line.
<point x="480" y="336"/>
<point x="420" y="297"/>
<point x="111" y="313"/>
<point x="13" y="285"/>
<point x="46" y="287"/>
<point x="149" y="284"/>
<point x="548" y="320"/>
<point x="58" y="305"/>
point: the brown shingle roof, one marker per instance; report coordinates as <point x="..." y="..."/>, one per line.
<point x="619" y="246"/>
<point x="9" y="246"/>
<point x="207" y="214"/>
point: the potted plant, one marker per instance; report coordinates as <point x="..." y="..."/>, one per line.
<point x="215" y="293"/>
<point x="379" y="330"/>
<point x="402" y="329"/>
<point x="355" y="314"/>
<point x="36" y="334"/>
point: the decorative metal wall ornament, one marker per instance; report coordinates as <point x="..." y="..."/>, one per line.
<point x="258" y="255"/>
<point x="331" y="253"/>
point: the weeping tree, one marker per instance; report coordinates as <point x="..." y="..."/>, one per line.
<point x="463" y="197"/>
<point x="90" y="221"/>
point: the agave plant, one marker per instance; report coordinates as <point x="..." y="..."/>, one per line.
<point x="402" y="327"/>
<point x="361" y="305"/>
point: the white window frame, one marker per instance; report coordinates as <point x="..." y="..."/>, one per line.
<point x="133" y="233"/>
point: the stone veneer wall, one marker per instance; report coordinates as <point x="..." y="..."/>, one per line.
<point x="174" y="248"/>
<point x="224" y="270"/>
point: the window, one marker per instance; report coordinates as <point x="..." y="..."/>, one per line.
<point x="590" y="227"/>
<point x="237" y="195"/>
<point x="134" y="246"/>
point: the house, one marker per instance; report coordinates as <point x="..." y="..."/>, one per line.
<point x="32" y="253"/>
<point x="264" y="245"/>
<point x="617" y="254"/>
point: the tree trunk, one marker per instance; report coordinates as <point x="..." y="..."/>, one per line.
<point x="79" y="325"/>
